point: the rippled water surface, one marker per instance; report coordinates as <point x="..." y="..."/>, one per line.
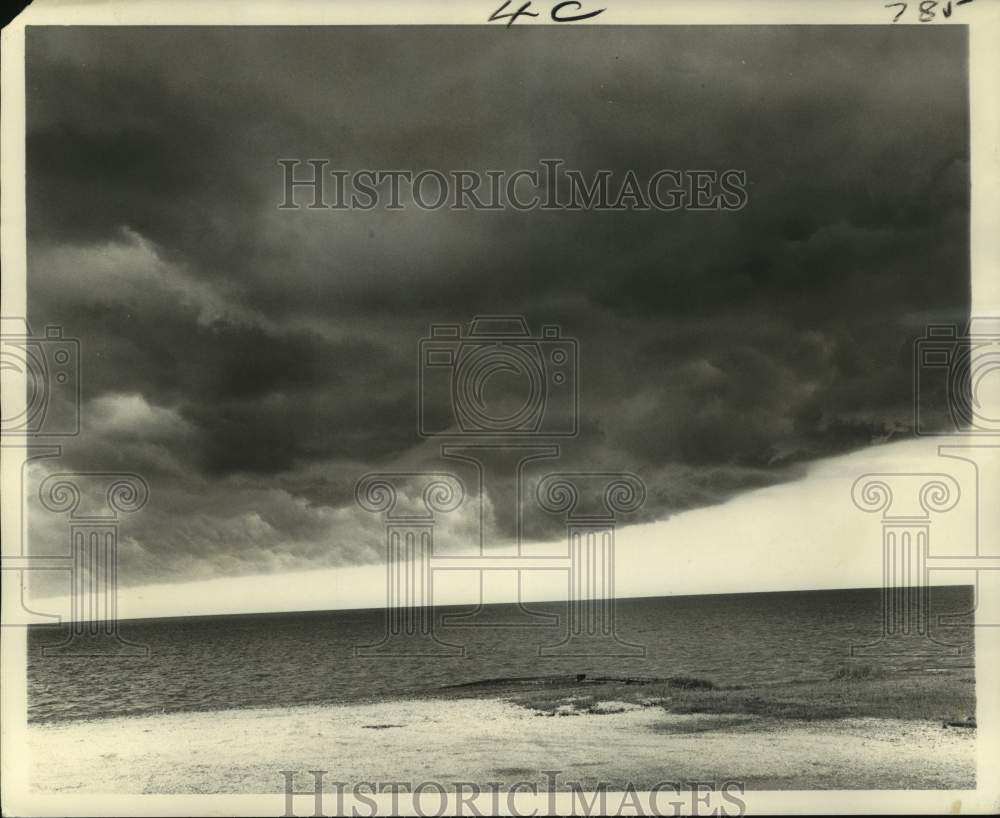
<point x="299" y="658"/>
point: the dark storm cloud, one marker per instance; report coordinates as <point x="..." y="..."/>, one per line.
<point x="256" y="361"/>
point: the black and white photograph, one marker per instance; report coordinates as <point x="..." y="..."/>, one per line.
<point x="535" y="408"/>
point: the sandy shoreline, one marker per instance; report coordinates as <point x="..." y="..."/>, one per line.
<point x="486" y="740"/>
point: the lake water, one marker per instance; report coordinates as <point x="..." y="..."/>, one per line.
<point x="221" y="662"/>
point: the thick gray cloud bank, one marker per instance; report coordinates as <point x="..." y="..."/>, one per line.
<point x="253" y="362"/>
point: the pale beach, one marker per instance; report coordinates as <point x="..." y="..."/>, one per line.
<point x="496" y="739"/>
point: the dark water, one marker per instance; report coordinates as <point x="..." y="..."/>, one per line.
<point x="221" y="662"/>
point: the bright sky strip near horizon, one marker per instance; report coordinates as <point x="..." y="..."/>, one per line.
<point x="807" y="534"/>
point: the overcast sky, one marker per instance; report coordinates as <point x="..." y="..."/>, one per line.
<point x="252" y="363"/>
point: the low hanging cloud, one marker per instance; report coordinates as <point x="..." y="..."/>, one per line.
<point x="252" y="363"/>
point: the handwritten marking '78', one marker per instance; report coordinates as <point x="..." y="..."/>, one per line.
<point x="926" y="10"/>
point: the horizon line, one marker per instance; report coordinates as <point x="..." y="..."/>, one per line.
<point x="68" y="621"/>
